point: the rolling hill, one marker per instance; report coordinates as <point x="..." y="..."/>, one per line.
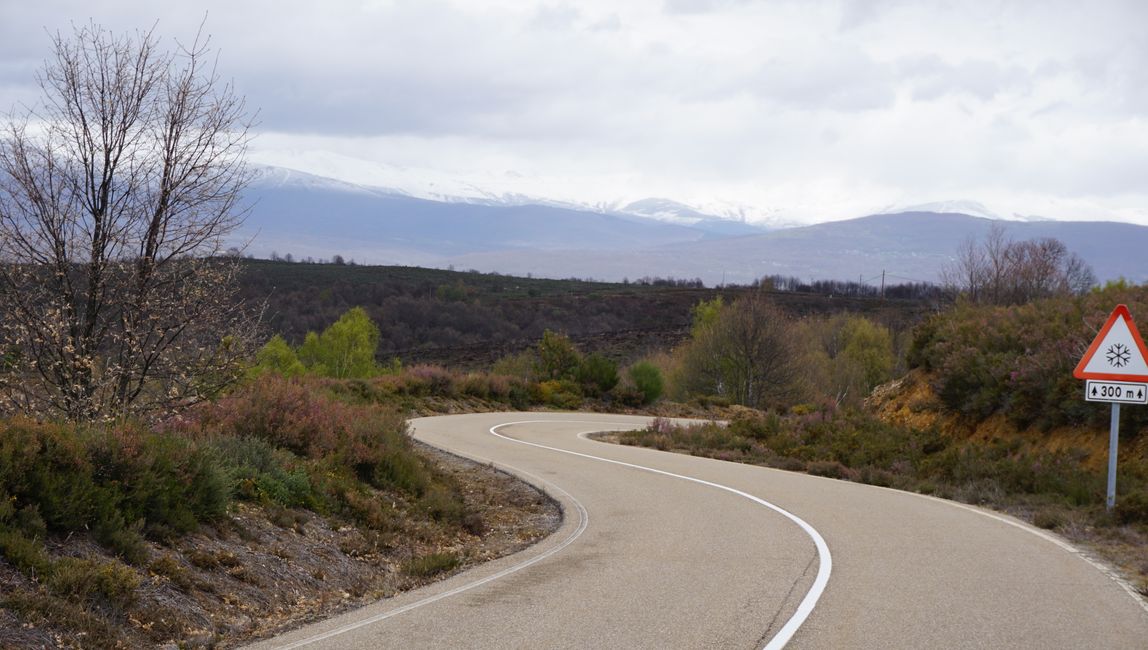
<point x="310" y="216"/>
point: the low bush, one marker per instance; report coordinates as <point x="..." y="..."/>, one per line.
<point x="430" y="565"/>
<point x="302" y="443"/>
<point x="27" y="555"/>
<point x="1132" y="507"/>
<point x="558" y="393"/>
<point x="647" y="379"/>
<point x="42" y="608"/>
<point x="597" y="375"/>
<point x="1048" y="519"/>
<point x="93" y="582"/>
<point x="399" y="469"/>
<point x="427" y="380"/>
<point x="168" y="567"/>
<point x="1018" y="360"/>
<point x="443" y="505"/>
<point x="261" y="473"/>
<point x="831" y="469"/>
<point x="856" y="446"/>
<point x="117" y="483"/>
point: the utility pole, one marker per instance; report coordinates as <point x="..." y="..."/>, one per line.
<point x="882" y="284"/>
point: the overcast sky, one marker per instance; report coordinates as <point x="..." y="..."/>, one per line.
<point x="806" y="110"/>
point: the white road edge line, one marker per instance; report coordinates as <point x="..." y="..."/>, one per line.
<point x="584" y="521"/>
<point x="1064" y="545"/>
<point x="779" y="640"/>
<point x="825" y="560"/>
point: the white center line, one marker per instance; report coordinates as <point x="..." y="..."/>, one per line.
<point x="825" y="560"/>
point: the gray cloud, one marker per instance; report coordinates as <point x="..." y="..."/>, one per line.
<point x="930" y="78"/>
<point x="788" y="103"/>
<point x="837" y="79"/>
<point x="699" y="6"/>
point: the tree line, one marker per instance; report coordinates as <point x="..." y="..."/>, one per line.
<point x="1000" y="271"/>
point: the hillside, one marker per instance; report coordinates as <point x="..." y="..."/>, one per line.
<point x="912" y="246"/>
<point x="310" y="216"/>
<point x="470" y="319"/>
<point x="274" y="505"/>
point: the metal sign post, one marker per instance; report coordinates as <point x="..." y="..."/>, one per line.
<point x="1116" y="367"/>
<point x="1113" y="443"/>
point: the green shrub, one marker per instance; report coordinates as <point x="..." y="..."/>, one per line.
<point x="277" y="356"/>
<point x="259" y="472"/>
<point x="597" y="374"/>
<point x="114" y="483"/>
<point x="648" y="380"/>
<point x="1018" y="360"/>
<point x="345" y="349"/>
<point x="168" y="482"/>
<point x="48" y="466"/>
<point x="399" y="469"/>
<point x="124" y="540"/>
<point x="756" y="426"/>
<point x="477" y="385"/>
<point x="562" y="394"/>
<point x="368" y="510"/>
<point x="29" y="521"/>
<point x="27" y="555"/>
<point x="557" y="356"/>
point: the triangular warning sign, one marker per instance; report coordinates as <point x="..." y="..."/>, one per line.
<point x="1117" y="353"/>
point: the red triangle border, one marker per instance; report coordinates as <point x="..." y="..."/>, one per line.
<point x="1121" y="311"/>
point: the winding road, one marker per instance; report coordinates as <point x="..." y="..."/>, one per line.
<point x="661" y="550"/>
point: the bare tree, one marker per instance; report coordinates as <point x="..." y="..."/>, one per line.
<point x="1001" y="271"/>
<point x="116" y="195"/>
<point x="968" y="271"/>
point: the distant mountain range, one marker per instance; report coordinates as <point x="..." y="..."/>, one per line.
<point x="311" y="216"/>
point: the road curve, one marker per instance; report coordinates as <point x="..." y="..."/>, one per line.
<point x="652" y="559"/>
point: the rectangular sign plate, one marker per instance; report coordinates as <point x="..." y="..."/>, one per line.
<point x="1115" y="391"/>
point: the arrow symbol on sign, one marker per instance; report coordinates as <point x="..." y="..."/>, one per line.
<point x="1094" y="390"/>
<point x="1140" y="394"/>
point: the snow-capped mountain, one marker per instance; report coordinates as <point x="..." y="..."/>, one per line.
<point x="670" y="211"/>
<point x="905" y="247"/>
<point x="957" y="206"/>
<point x="311" y="216"/>
<point x="509" y="189"/>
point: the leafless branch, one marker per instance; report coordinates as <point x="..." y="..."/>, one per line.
<point x="116" y="196"/>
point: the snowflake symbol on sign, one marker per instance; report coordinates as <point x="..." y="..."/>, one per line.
<point x="1118" y="355"/>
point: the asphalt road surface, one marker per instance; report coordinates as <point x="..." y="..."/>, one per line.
<point x="661" y="550"/>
